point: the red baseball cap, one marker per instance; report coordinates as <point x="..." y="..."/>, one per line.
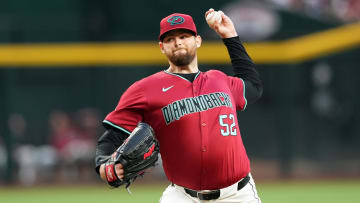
<point x="177" y="21"/>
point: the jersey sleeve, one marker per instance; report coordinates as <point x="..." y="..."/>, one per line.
<point x="129" y="111"/>
<point x="237" y="87"/>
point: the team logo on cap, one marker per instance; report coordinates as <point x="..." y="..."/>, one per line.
<point x="176" y="20"/>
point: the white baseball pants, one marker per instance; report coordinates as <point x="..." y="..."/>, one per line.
<point x="248" y="194"/>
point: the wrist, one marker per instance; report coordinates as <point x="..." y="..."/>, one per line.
<point x="230" y="39"/>
<point x="102" y="172"/>
<point x="228" y="34"/>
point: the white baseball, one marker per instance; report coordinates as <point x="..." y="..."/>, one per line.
<point x="213" y="17"/>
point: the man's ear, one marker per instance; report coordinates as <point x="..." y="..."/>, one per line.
<point x="198" y="41"/>
<point x="161" y="47"/>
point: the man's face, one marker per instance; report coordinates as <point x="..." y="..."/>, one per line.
<point x="180" y="46"/>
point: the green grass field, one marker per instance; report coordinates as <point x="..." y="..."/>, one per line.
<point x="270" y="192"/>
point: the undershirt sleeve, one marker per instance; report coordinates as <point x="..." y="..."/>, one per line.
<point x="110" y="140"/>
<point x="244" y="68"/>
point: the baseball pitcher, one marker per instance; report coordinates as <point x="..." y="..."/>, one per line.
<point x="189" y="117"/>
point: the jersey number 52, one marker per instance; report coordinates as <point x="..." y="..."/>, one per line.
<point x="228" y="124"/>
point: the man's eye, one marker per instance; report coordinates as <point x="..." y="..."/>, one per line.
<point x="169" y="39"/>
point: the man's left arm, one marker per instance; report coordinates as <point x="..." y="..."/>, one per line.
<point x="243" y="66"/>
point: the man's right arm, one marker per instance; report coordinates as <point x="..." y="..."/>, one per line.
<point x="106" y="146"/>
<point x="127" y="114"/>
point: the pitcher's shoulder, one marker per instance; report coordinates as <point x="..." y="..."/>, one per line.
<point x="156" y="77"/>
<point x="215" y="73"/>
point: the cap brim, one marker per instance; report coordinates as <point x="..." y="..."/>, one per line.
<point x="161" y="36"/>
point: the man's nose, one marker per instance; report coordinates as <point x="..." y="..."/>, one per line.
<point x="178" y="41"/>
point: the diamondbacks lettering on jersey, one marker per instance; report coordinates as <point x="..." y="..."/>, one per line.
<point x="182" y="107"/>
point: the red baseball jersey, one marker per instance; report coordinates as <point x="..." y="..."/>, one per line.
<point x="195" y="123"/>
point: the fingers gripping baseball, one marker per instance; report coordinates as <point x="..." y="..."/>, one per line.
<point x="220" y="23"/>
<point x="213" y="18"/>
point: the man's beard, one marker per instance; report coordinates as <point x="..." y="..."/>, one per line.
<point x="182" y="60"/>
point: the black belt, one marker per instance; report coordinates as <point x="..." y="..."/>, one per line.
<point x="214" y="194"/>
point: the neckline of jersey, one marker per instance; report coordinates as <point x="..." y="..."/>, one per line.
<point x="174" y="74"/>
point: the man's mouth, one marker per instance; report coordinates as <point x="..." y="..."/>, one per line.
<point x="177" y="50"/>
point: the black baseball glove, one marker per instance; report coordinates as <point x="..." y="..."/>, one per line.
<point x="139" y="152"/>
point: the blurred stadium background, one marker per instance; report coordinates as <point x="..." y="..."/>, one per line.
<point x="65" y="63"/>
